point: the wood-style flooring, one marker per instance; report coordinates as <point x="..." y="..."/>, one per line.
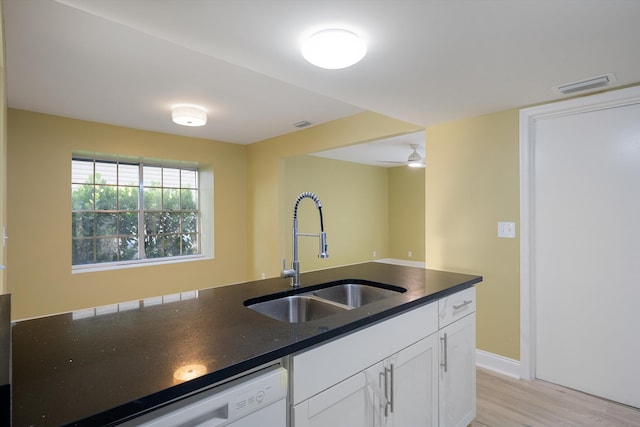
<point x="503" y="401"/>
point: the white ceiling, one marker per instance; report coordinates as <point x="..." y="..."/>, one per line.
<point x="125" y="62"/>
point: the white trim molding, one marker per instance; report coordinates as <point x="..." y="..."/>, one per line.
<point x="528" y="120"/>
<point x="496" y="363"/>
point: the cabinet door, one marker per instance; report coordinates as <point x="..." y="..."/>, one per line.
<point x="458" y="372"/>
<point x="320" y="368"/>
<point x="415" y="384"/>
<point x="354" y="402"/>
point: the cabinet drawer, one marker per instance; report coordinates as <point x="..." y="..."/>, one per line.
<point x="456" y="306"/>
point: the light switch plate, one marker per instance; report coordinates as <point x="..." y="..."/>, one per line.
<point x="507" y="230"/>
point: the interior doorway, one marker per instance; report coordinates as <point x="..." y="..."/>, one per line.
<point x="580" y="244"/>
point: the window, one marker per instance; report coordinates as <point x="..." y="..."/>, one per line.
<point x="127" y="212"/>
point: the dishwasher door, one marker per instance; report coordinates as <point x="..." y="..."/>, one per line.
<point x="258" y="399"/>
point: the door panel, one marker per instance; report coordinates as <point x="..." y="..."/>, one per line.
<point x="353" y="402"/>
<point x="587" y="251"/>
<point x="458" y="381"/>
<point x="415" y="381"/>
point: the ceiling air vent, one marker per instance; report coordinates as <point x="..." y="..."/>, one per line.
<point x="588" y="84"/>
<point x="302" y="124"/>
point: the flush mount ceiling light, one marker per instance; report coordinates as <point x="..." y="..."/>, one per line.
<point x="334" y="49"/>
<point x="189" y="115"/>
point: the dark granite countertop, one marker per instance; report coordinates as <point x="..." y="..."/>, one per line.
<point x="98" y="366"/>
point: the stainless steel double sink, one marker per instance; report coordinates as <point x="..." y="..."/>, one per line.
<point x="323" y="301"/>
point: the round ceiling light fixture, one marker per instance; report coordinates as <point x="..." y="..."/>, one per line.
<point x="334" y="49"/>
<point x="189" y="115"/>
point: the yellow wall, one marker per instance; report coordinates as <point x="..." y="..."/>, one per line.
<point x="39" y="222"/>
<point x="406" y="213"/>
<point x="354" y="205"/>
<point x="472" y="182"/>
<point x="248" y="200"/>
<point x="265" y="170"/>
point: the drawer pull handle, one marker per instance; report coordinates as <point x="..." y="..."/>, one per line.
<point x="464" y="304"/>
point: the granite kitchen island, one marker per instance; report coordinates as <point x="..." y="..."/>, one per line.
<point x="106" y="364"/>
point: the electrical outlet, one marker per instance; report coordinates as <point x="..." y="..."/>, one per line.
<point x="410" y="254"/>
<point x="507" y="230"/>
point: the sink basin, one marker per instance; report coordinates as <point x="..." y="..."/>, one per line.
<point x="297" y="308"/>
<point x="321" y="300"/>
<point x="355" y="294"/>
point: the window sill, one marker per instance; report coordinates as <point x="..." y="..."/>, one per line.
<point x="92" y="268"/>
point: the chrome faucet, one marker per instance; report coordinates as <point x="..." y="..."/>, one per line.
<point x="294" y="271"/>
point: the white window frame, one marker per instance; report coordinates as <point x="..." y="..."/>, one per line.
<point x="204" y="222"/>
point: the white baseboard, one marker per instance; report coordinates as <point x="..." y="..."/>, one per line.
<point x="500" y="364"/>
<point x="419" y="264"/>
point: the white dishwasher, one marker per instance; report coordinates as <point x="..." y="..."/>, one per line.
<point x="258" y="399"/>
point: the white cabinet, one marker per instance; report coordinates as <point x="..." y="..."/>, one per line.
<point x="457" y="376"/>
<point x="400" y="391"/>
<point x="348" y="403"/>
<point x="415" y="369"/>
<point x="351" y="381"/>
<point x="414" y="397"/>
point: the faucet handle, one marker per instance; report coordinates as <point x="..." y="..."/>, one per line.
<point x="286" y="272"/>
<point x="323" y="245"/>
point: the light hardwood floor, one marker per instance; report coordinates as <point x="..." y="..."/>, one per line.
<point x="507" y="402"/>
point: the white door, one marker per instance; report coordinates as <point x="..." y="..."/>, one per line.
<point x="457" y="378"/>
<point x="586" y="251"/>
<point x="415" y="384"/>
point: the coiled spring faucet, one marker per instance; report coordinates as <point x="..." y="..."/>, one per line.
<point x="294" y="271"/>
